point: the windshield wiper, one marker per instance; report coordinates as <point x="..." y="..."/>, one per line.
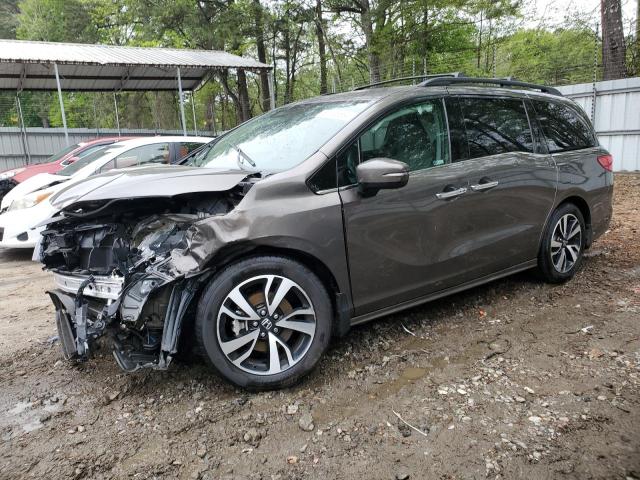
<point x="243" y="155"/>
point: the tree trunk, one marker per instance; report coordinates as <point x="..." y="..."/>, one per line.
<point x="367" y="27"/>
<point x="244" y="112"/>
<point x="321" y="48"/>
<point x="638" y="40"/>
<point x="275" y="71"/>
<point x="211" y="115"/>
<point x="479" y="41"/>
<point x="613" y="48"/>
<point x="287" y="63"/>
<point x="294" y="62"/>
<point x="262" y="56"/>
<point x="241" y="100"/>
<point x="426" y="39"/>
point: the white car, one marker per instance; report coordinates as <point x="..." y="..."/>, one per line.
<point x="24" y="210"/>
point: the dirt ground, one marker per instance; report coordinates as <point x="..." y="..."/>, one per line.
<point x="515" y="379"/>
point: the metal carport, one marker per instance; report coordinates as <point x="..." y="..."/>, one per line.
<point x="49" y="66"/>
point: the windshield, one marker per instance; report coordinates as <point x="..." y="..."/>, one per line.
<point x="83" y="162"/>
<point x="57" y="156"/>
<point x="281" y="139"/>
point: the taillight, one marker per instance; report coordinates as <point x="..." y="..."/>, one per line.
<point x="606" y="162"/>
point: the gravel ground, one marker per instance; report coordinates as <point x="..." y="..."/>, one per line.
<point x="515" y="379"/>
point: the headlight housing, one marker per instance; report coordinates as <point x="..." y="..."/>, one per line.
<point x="30" y="200"/>
<point x="10" y="173"/>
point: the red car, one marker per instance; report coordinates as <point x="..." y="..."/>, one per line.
<point x="10" y="178"/>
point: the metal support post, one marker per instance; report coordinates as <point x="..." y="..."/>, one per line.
<point x="193" y="110"/>
<point x="272" y="92"/>
<point x="115" y="104"/>
<point x="64" y="117"/>
<point x="184" y="122"/>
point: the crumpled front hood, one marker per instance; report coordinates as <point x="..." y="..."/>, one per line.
<point x="140" y="182"/>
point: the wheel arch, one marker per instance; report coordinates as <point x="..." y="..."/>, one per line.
<point x="584" y="208"/>
<point x="340" y="300"/>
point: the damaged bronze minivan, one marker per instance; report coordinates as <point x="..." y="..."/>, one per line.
<point x="323" y="214"/>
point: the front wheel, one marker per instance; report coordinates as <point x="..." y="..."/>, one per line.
<point x="5" y="187"/>
<point x="264" y="322"/>
<point x="563" y="244"/>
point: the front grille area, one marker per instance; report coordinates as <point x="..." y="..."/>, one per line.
<point x="104" y="287"/>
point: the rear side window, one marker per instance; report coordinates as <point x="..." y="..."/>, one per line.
<point x="459" y="146"/>
<point x="563" y="127"/>
<point x="496" y="125"/>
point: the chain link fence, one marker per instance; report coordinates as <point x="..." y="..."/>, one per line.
<point x="212" y="108"/>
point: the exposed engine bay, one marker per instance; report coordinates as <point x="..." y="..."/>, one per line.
<point x="115" y="274"/>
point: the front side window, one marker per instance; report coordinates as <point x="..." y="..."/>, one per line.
<point x="76" y="166"/>
<point x="280" y="139"/>
<point x="154" y="153"/>
<point x="415" y="135"/>
<point x="57" y="156"/>
<point x="496" y="125"/>
<point x="185" y="148"/>
<point x="563" y="127"/>
<point x="83" y="154"/>
<point x="347" y="162"/>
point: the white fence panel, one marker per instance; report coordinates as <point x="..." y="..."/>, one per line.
<point x="41" y="143"/>
<point x="617" y="117"/>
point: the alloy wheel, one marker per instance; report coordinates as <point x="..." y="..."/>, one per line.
<point x="266" y="324"/>
<point x="566" y="243"/>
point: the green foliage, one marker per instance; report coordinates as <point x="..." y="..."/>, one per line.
<point x="553" y="57"/>
<point x="363" y="39"/>
<point x="57" y="21"/>
<point x="8" y="18"/>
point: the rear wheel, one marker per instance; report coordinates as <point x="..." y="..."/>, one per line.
<point x="563" y="244"/>
<point x="264" y="322"/>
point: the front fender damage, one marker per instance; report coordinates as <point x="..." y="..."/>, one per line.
<point x="204" y="239"/>
<point x="131" y="274"/>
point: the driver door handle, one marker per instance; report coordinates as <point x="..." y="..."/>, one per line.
<point x="451" y="193"/>
<point x="484" y="186"/>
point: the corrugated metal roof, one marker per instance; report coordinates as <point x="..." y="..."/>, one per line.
<point x="28" y="65"/>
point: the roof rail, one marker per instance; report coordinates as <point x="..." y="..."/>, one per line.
<point x="417" y="77"/>
<point x="502" y="82"/>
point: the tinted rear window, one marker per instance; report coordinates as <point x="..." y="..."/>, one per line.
<point x="563" y="127"/>
<point x="496" y="125"/>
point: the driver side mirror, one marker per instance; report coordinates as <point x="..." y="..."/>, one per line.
<point x="381" y="173"/>
<point x="70" y="160"/>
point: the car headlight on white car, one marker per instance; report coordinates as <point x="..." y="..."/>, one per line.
<point x="30" y="200"/>
<point x="10" y="173"/>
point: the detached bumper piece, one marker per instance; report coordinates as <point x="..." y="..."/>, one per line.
<point x="65" y="333"/>
<point x="90" y="307"/>
<point x="79" y="323"/>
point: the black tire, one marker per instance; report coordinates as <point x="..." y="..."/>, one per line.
<point x="5" y="187"/>
<point x="208" y="329"/>
<point x="548" y="257"/>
